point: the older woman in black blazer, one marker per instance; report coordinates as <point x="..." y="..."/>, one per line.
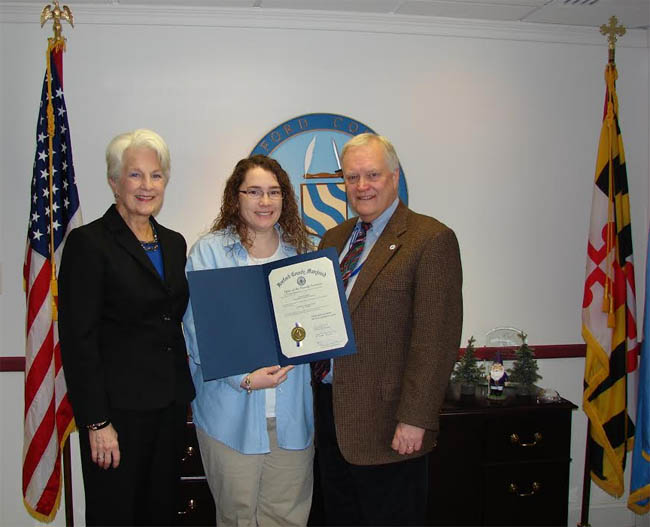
<point x="123" y="294"/>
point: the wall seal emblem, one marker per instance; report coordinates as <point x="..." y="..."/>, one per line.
<point x="308" y="148"/>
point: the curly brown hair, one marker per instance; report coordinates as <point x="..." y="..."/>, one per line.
<point x="293" y="229"/>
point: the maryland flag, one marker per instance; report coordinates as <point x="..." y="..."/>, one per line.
<point x="608" y="307"/>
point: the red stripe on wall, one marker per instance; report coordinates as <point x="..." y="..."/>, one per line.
<point x="12" y="363"/>
<point x="554" y="351"/>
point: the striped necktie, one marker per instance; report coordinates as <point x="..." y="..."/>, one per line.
<point x="350" y="260"/>
<point x="320" y="368"/>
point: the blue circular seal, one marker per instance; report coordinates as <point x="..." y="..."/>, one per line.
<point x="308" y="148"/>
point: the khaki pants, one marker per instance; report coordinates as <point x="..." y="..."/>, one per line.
<point x="258" y="489"/>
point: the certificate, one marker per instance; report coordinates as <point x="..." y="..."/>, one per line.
<point x="290" y="311"/>
<point x="307" y="308"/>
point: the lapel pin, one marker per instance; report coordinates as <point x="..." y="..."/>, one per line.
<point x="392" y="247"/>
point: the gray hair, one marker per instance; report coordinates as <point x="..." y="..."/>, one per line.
<point x="141" y="138"/>
<point x="365" y="139"/>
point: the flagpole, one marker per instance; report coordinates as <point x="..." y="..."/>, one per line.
<point x="586" y="484"/>
<point x="56" y="44"/>
<point x="67" y="485"/>
<point x="611" y="31"/>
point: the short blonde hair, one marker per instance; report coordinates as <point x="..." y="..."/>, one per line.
<point x="365" y="139"/>
<point x="136" y="139"/>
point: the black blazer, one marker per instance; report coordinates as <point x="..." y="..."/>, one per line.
<point x="122" y="343"/>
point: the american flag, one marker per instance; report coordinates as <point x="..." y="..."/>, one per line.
<point x="54" y="212"/>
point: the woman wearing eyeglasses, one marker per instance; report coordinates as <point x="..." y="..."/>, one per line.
<point x="255" y="430"/>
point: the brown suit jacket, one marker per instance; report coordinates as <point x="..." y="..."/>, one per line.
<point x="406" y="308"/>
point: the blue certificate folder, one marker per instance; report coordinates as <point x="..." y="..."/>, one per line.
<point x="234" y="318"/>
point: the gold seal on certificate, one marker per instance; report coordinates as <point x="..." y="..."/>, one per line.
<point x="298" y="333"/>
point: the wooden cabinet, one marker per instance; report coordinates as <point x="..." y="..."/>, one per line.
<point x="195" y="506"/>
<point x="501" y="462"/>
<point x="497" y="463"/>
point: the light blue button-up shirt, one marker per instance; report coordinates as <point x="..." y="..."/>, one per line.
<point x="222" y="408"/>
<point x="373" y="234"/>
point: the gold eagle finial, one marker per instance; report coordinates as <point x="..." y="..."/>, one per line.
<point x="56" y="13"/>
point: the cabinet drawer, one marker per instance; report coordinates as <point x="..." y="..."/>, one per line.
<point x="191" y="464"/>
<point x="526" y="493"/>
<point x="532" y="436"/>
<point x="196" y="506"/>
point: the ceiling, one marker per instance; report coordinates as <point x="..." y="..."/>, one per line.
<point x="630" y="13"/>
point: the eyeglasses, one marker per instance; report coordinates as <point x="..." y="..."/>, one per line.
<point x="258" y="193"/>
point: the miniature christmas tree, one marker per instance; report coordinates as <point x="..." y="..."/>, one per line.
<point x="524" y="369"/>
<point x="467" y="371"/>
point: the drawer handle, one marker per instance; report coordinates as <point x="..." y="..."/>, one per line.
<point x="189" y="452"/>
<point x="535" y="488"/>
<point x="514" y="439"/>
<point x="191" y="505"/>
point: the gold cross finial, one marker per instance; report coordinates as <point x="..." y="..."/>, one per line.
<point x="612" y="30"/>
<point x="56" y="13"/>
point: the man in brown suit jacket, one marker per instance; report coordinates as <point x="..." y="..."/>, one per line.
<point x="377" y="410"/>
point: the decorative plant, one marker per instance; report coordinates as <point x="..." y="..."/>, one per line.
<point x="467" y="370"/>
<point x="524" y="369"/>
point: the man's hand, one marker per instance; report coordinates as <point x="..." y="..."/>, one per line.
<point x="407" y="438"/>
<point x="104" y="447"/>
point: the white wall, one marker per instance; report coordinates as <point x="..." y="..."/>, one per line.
<point x="496" y="126"/>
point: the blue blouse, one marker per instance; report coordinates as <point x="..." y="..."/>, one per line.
<point x="155" y="255"/>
